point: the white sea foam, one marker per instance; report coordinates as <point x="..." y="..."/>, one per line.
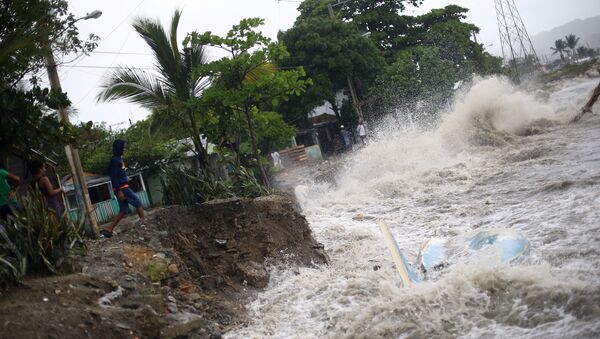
<point x="477" y="170"/>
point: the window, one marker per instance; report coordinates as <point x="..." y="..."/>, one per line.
<point x="72" y="200"/>
<point x="99" y="193"/>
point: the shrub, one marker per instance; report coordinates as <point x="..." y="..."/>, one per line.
<point x="184" y="187"/>
<point x="35" y="240"/>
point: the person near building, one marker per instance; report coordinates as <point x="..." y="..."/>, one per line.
<point x="361" y="130"/>
<point x="120" y="186"/>
<point x="346" y="138"/>
<point x="40" y="181"/>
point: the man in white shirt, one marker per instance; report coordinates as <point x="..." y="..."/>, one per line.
<point x="362" y="132"/>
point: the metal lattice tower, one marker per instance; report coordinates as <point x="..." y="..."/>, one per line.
<point x="516" y="44"/>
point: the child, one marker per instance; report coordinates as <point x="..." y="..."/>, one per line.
<point x="120" y="186"/>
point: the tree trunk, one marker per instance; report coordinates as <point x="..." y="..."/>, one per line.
<point x="588" y="106"/>
<point x="263" y="174"/>
<point x="201" y="151"/>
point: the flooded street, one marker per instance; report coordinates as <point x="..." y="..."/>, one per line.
<point x="501" y="159"/>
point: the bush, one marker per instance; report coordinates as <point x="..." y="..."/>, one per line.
<point x="180" y="187"/>
<point x="34" y="240"/>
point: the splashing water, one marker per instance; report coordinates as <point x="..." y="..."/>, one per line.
<point x="499" y="159"/>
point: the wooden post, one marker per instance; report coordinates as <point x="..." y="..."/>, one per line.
<point x="79" y="182"/>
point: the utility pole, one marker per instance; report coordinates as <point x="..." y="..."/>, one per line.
<point x="355" y="102"/>
<point x="79" y="182"/>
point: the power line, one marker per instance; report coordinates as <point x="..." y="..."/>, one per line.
<point x="104" y="67"/>
<point x="121" y="53"/>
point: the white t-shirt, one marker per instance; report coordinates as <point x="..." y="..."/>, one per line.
<point x="361" y="130"/>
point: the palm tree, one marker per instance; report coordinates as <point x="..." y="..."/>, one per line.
<point x="167" y="92"/>
<point x="572" y="41"/>
<point x="559" y="47"/>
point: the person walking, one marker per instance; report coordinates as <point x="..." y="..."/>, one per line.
<point x="8" y="191"/>
<point x="120" y="186"/>
<point x="346" y="138"/>
<point x="362" y="132"/>
<point x="40" y="181"/>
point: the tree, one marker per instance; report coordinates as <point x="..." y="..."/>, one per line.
<point x="560" y="47"/>
<point x="27" y="29"/>
<point x="411" y="79"/>
<point x="380" y="18"/>
<point x="167" y="94"/>
<point x="247" y="80"/>
<point x="571" y="40"/>
<point x="583" y="52"/>
<point x="145" y="151"/>
<point x="329" y="51"/>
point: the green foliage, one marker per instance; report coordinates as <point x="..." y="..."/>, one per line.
<point x="572" y="41"/>
<point x="34" y="240"/>
<point x="27" y="123"/>
<point x="27" y="30"/>
<point x="384" y="65"/>
<point x="170" y="94"/>
<point x="329" y="51"/>
<point x="406" y="82"/>
<point x="182" y="187"/>
<point x="245" y="82"/>
<point x="272" y="132"/>
<point x="568" y="71"/>
<point x="560" y="46"/>
<point x="145" y="151"/>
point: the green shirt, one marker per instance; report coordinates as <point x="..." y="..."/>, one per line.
<point x="5" y="188"/>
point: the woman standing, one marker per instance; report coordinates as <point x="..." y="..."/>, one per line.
<point x="41" y="182"/>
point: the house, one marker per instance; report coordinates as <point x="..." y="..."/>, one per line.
<point x="104" y="202"/>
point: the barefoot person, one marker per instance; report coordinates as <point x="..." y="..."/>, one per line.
<point x="120" y="186"/>
<point x="41" y="182"/>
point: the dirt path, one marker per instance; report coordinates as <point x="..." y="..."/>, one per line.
<point x="181" y="271"/>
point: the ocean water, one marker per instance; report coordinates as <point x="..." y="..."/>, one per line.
<point x="499" y="158"/>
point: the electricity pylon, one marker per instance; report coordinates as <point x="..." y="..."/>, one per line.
<point x="517" y="49"/>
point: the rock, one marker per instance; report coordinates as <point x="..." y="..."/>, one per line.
<point x="193" y="296"/>
<point x="172" y="307"/>
<point x="171" y="299"/>
<point x="173" y="269"/>
<point x="254" y="273"/>
<point x="184" y="323"/>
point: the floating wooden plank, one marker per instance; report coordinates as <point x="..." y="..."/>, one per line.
<point x="406" y="273"/>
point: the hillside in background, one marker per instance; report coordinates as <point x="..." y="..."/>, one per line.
<point x="587" y="29"/>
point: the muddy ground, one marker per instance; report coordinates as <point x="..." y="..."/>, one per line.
<point x="182" y="271"/>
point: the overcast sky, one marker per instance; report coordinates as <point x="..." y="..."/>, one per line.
<point x="120" y="45"/>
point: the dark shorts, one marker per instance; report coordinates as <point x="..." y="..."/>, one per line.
<point x="130" y="199"/>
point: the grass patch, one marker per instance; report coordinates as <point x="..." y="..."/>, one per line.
<point x="568" y="71"/>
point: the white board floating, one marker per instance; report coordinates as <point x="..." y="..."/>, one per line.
<point x="406" y="273"/>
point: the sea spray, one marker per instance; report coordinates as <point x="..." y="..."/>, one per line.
<point x="443" y="183"/>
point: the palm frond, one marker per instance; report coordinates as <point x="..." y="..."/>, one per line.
<point x="194" y="57"/>
<point x="258" y="72"/>
<point x="135" y="86"/>
<point x="167" y="63"/>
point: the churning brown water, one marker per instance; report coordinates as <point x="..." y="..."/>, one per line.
<point x="499" y="159"/>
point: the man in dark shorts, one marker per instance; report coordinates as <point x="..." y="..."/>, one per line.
<point x="120" y="186"/>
